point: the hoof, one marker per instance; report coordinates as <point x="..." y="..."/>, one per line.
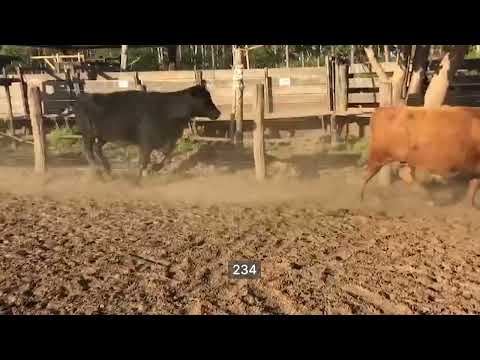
<point x="137" y="182"/>
<point x="107" y="177"/>
<point x="95" y="174"/>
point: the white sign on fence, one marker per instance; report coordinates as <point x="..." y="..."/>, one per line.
<point x="49" y="89"/>
<point x="285" y="82"/>
<point x="123" y="84"/>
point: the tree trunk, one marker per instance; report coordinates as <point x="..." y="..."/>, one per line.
<point x="214" y="65"/>
<point x="420" y="65"/>
<point x="398" y="79"/>
<point x="352" y="54"/>
<point x="124" y="58"/>
<point x="437" y="90"/>
<point x="223" y="55"/>
<point x="372" y="59"/>
<point x="399" y="75"/>
<point x="195" y="55"/>
<point x="287" y="57"/>
<point x="385" y="53"/>
<point x="172" y="57"/>
<point x="160" y="58"/>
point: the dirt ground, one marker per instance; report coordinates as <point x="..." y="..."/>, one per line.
<point x="72" y="245"/>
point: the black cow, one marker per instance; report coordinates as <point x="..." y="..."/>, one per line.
<point x="150" y="120"/>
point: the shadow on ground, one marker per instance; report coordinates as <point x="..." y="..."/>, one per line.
<point x="453" y="192"/>
<point x="308" y="166"/>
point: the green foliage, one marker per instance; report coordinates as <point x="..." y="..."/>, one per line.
<point x="186" y="145"/>
<point x="265" y="57"/>
<point x="361" y="147"/>
<point x="23" y="52"/>
<point x="146" y="57"/>
<point x="58" y="141"/>
<point x="473" y="53"/>
<point x="143" y="59"/>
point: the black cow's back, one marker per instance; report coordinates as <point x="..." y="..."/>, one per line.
<point x="122" y="116"/>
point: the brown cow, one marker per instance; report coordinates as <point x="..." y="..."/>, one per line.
<point x="443" y="141"/>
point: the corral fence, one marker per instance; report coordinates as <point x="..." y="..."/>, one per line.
<point x="328" y="97"/>
<point x="288" y="91"/>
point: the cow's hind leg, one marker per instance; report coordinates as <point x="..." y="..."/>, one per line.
<point x="88" y="150"/>
<point x="473" y="189"/>
<point x="97" y="148"/>
<point x="371" y="172"/>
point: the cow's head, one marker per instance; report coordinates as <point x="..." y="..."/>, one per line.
<point x="203" y="105"/>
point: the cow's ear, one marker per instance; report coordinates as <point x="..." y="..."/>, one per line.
<point x="194" y="91"/>
<point x="198" y="90"/>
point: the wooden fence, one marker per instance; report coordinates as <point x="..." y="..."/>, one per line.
<point x="286" y="89"/>
<point x="17" y="102"/>
<point x="292" y="91"/>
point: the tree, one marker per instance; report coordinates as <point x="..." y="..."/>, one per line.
<point x="398" y="78"/>
<point x="419" y="75"/>
<point x="23" y="52"/>
<point x="436" y="92"/>
<point x="172" y="56"/>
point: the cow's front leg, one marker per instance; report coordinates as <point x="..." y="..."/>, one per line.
<point x="89" y="154"/>
<point x="145" y="153"/>
<point x="146" y="138"/>
<point x="167" y="155"/>
<point x="97" y="148"/>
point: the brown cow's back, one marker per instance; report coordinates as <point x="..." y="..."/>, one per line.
<point x="443" y="141"/>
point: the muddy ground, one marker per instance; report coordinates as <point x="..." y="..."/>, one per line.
<point x="72" y="245"/>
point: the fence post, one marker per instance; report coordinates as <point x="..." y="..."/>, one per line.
<point x="123" y="58"/>
<point x="238" y="86"/>
<point x="23" y="90"/>
<point x="385" y="95"/>
<point x="136" y="80"/>
<point x="340" y="97"/>
<point x="68" y="79"/>
<point x="268" y="92"/>
<point x="361" y="130"/>
<point x="341" y="87"/>
<point x="330" y="83"/>
<point x="37" y="129"/>
<point x="11" y="126"/>
<point x="198" y="77"/>
<point x="138" y="84"/>
<point x="258" y="134"/>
